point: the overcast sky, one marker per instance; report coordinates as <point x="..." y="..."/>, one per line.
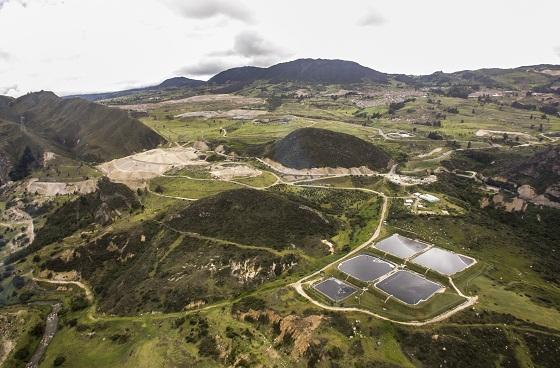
<point x="71" y="46"/>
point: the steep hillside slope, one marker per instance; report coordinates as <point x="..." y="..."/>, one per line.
<point x="13" y="141"/>
<point x="311" y="148"/>
<point x="107" y="203"/>
<point x="152" y="268"/>
<point x="86" y="130"/>
<point x="304" y="70"/>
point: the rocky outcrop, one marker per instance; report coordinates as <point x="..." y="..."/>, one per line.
<point x="299" y="330"/>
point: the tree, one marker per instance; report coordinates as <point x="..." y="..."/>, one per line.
<point x="273" y="102"/>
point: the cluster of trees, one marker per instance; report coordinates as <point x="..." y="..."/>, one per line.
<point x="23" y="167"/>
<point x="459" y="91"/>
<point x="273" y="102"/>
<point x="395" y="106"/>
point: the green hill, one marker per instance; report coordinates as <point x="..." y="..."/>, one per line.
<point x="311" y="148"/>
<point x="257" y="218"/>
<point x="85" y="130"/>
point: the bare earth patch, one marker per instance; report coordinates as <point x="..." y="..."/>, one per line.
<point x="236" y="114"/>
<point x="136" y="169"/>
<point x="52" y="189"/>
<point x="229" y="172"/>
<point x="238" y="100"/>
<point x="484" y="133"/>
<point x="318" y="171"/>
<point x="432" y="152"/>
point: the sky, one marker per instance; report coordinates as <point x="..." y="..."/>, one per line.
<point x="78" y="46"/>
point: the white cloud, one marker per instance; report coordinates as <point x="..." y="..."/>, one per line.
<point x="371" y="18"/>
<point x="250" y="45"/>
<point x="4" y="55"/>
<point x="212" y="8"/>
<point x="72" y="46"/>
<point x="248" y="48"/>
<point x="557" y="50"/>
<point x="12" y="90"/>
<point x="253" y="49"/>
<point x="205" y="68"/>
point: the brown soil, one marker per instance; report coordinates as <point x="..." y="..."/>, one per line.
<point x="298" y="329"/>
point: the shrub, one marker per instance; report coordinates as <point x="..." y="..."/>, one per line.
<point x="247" y="303"/>
<point x="207" y="347"/>
<point x="78" y="303"/>
<point x="59" y="360"/>
<point x="18" y="282"/>
<point x="435" y="136"/>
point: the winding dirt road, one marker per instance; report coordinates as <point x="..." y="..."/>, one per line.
<point x="299" y="285"/>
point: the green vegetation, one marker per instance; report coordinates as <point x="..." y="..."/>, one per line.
<point x="193" y="270"/>
<point x="258" y="218"/>
<point x="188" y="188"/>
<point x="23" y="167"/>
<point x="311" y="148"/>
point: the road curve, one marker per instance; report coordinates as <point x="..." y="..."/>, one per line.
<point x="298" y="285"/>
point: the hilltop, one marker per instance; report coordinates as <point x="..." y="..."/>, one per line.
<point x="215" y="248"/>
<point x="82" y="129"/>
<point x="308" y="148"/>
<point x="304" y="70"/>
<point x="255" y="217"/>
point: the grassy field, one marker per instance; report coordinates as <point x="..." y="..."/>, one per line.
<point x="61" y="169"/>
<point x="188" y="188"/>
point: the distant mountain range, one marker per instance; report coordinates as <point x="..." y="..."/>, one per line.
<point x="304" y="70"/>
<point x="171" y="83"/>
<point x="545" y="77"/>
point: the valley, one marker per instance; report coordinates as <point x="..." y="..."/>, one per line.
<point x="197" y="231"/>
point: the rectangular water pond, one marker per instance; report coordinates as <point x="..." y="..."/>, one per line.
<point x="408" y="287"/>
<point x="365" y="268"/>
<point x="401" y="246"/>
<point x="335" y="289"/>
<point x="443" y="261"/>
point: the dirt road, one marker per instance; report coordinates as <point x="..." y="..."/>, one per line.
<point x="50" y="330"/>
<point x="298" y="285"/>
